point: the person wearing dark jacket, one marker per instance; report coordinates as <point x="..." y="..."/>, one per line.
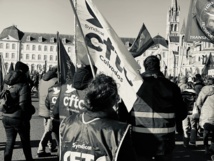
<point x="96" y="134"/>
<point x="50" y="103"/>
<point x="18" y="119"/>
<point x="48" y="80"/>
<point x="154" y="114"/>
<point x="71" y="99"/>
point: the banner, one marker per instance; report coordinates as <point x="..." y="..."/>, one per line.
<point x="107" y="51"/>
<point x="142" y="42"/>
<point x="200" y="23"/>
<point x="66" y="68"/>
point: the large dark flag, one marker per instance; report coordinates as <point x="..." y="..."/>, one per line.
<point x="142" y="42"/>
<point x="66" y="68"/>
<point x="11" y="67"/>
<point x="200" y="22"/>
<point x="208" y="65"/>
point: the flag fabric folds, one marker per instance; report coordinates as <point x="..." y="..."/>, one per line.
<point x="11" y="67"/>
<point x="107" y="51"/>
<point x="142" y="42"/>
<point x="66" y="68"/>
<point x="208" y="65"/>
<point x="199" y="22"/>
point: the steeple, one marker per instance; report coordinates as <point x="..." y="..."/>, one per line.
<point x="174" y="5"/>
<point x="173" y="16"/>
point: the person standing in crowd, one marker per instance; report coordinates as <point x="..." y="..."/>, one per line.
<point x="17" y="119"/>
<point x="154" y="114"/>
<point x="198" y="83"/>
<point x="205" y="103"/>
<point x="96" y="133"/>
<point x="48" y="80"/>
<point x="50" y="103"/>
<point x="71" y="99"/>
<point x="182" y="83"/>
<point x="189" y="124"/>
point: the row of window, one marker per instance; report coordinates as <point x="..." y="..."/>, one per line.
<point x="30" y="56"/>
<point x="39" y="57"/>
<point x="33" y="47"/>
<point x="7" y="46"/>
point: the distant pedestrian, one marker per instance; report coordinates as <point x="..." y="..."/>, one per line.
<point x="18" y="119"/>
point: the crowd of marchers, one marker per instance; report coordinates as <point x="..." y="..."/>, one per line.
<point x="86" y="119"/>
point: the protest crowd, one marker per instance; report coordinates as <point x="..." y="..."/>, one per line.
<point x="95" y="121"/>
<point x="106" y="109"/>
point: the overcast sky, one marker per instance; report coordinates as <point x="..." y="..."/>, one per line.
<point x="125" y="16"/>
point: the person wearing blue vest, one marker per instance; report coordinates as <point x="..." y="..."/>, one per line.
<point x="96" y="134"/>
<point x="155" y="113"/>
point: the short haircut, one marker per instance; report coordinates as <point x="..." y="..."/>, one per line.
<point x="152" y="63"/>
<point x="101" y="94"/>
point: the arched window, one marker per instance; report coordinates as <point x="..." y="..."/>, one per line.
<point x="33" y="47"/>
<point x="51" y="48"/>
<point x="7" y="55"/>
<point x="27" y="56"/>
<point x="39" y="57"/>
<point x="7" y="45"/>
<point x="13" y="55"/>
<point x="1" y="45"/>
<point x="13" y="46"/>
<point x="33" y="57"/>
<point x="45" y="48"/>
<point x="39" y="48"/>
<point x="51" y="57"/>
<point x="45" y="57"/>
<point x="27" y="47"/>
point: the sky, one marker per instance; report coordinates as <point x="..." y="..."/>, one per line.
<point x="125" y="16"/>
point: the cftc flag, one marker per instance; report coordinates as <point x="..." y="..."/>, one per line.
<point x="66" y="68"/>
<point x="142" y="42"/>
<point x="107" y="51"/>
<point x="200" y="26"/>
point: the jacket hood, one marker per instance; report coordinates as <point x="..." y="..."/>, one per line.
<point x="208" y="90"/>
<point x="82" y="78"/>
<point x="49" y="75"/>
<point x="154" y="74"/>
<point x="15" y="77"/>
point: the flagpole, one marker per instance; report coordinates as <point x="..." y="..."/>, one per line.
<point x="58" y="56"/>
<point x="75" y="48"/>
<point x="78" y="22"/>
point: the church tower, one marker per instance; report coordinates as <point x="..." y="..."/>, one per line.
<point x="173" y="15"/>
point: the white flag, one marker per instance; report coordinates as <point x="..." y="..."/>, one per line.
<point x="107" y="51"/>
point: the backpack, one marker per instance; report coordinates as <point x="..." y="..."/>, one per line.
<point x="7" y="104"/>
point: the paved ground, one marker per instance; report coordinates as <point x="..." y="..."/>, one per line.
<point x="180" y="153"/>
<point x="36" y="133"/>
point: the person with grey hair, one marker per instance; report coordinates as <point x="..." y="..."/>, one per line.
<point x="158" y="107"/>
<point x="96" y="134"/>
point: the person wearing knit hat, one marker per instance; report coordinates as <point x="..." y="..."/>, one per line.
<point x="158" y="96"/>
<point x="20" y="66"/>
<point x="17" y="121"/>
